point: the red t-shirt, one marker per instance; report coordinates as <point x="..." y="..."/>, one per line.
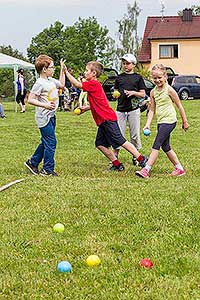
<point x="99" y="104"/>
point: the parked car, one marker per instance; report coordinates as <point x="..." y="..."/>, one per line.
<point x="187" y="86"/>
<point x="108" y="83"/>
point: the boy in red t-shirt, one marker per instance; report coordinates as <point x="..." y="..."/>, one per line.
<point x="108" y="133"/>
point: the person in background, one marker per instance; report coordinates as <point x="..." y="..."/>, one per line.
<point x="21" y="90"/>
<point x="61" y="98"/>
<point x="2" y="114"/>
<point x="68" y="84"/>
<point x="83" y="97"/>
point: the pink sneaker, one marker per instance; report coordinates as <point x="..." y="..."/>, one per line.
<point x="178" y="172"/>
<point x="144" y="173"/>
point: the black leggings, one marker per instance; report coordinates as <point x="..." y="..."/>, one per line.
<point x="20" y="98"/>
<point x="163" y="137"/>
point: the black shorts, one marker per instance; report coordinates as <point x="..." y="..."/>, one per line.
<point x="20" y="98"/>
<point x="109" y="134"/>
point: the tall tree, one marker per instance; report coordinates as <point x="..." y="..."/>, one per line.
<point x="50" y="42"/>
<point x="128" y="31"/>
<point x="84" y="41"/>
<point x="92" y="40"/>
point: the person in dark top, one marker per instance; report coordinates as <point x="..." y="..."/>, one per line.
<point x="21" y="90"/>
<point x="68" y="84"/>
<point x="131" y="88"/>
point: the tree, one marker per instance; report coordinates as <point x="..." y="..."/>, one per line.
<point x="84" y="41"/>
<point x="6" y="80"/>
<point x="195" y="10"/>
<point x="128" y="35"/>
<point x="50" y="42"/>
<point x="8" y="50"/>
<point x="90" y="42"/>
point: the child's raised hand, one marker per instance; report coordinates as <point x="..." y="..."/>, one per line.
<point x="62" y="63"/>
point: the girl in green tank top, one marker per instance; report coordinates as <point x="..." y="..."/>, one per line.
<point x="165" y="110"/>
<point x="163" y="97"/>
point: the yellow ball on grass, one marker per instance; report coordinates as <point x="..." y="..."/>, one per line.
<point x="93" y="260"/>
<point x="59" y="228"/>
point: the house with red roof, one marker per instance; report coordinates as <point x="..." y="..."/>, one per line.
<point x="173" y="41"/>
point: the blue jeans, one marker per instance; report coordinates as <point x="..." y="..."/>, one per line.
<point x="1" y="111"/>
<point x="46" y="149"/>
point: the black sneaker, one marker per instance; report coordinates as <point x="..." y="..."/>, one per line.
<point x="134" y="161"/>
<point x="33" y="169"/>
<point x="45" y="173"/>
<point x="119" y="168"/>
<point x="142" y="163"/>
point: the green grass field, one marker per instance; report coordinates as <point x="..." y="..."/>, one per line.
<point x="118" y="216"/>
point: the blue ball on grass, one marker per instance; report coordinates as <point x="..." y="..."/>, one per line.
<point x="64" y="267"/>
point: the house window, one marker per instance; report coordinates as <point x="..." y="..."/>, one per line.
<point x="168" y="51"/>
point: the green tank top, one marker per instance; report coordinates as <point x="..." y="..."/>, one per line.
<point x="165" y="109"/>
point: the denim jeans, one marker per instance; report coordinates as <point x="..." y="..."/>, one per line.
<point x="1" y="111"/>
<point x="46" y="149"/>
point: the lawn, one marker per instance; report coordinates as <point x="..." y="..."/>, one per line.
<point x="117" y="216"/>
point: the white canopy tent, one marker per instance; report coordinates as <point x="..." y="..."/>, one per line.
<point x="9" y="62"/>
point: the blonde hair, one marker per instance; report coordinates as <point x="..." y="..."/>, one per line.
<point x="160" y="67"/>
<point x="42" y="61"/>
<point x="95" y="66"/>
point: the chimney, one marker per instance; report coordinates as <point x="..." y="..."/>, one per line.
<point x="187" y="15"/>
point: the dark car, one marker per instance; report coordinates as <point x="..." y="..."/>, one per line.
<point x="108" y="83"/>
<point x="187" y="86"/>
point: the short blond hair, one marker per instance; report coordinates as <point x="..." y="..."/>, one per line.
<point x="95" y="66"/>
<point x="42" y="61"/>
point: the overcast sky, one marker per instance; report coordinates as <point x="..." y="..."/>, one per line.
<point x="20" y="20"/>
